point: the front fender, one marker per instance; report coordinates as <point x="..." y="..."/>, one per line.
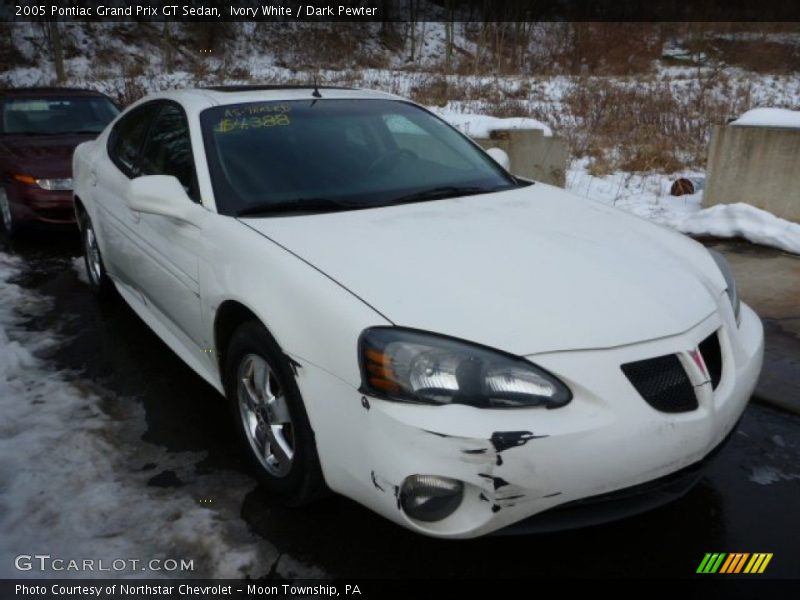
<point x="312" y="317"/>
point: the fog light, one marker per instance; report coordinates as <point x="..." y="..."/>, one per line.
<point x="430" y="498"/>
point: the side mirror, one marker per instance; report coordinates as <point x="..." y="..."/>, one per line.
<point x="160" y="195"/>
<point x="500" y="157"/>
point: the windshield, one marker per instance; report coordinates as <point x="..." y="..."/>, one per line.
<point x="45" y="115"/>
<point x="318" y="155"/>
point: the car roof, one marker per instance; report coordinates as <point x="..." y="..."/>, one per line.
<point x="272" y="88"/>
<point x="50" y="91"/>
<point x="197" y="99"/>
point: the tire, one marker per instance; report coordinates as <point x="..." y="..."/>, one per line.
<point x="99" y="281"/>
<point x="275" y="434"/>
<point x="10" y="224"/>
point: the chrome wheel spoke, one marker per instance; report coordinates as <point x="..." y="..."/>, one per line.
<point x="246" y="393"/>
<point x="278" y="410"/>
<point x="280" y="450"/>
<point x="270" y="386"/>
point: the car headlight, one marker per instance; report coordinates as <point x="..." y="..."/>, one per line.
<point x="412" y="366"/>
<point x="55" y="185"/>
<point x="730" y="282"/>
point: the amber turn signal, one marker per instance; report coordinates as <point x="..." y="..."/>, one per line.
<point x="26" y="179"/>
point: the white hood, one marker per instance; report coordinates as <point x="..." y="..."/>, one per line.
<point x="527" y="271"/>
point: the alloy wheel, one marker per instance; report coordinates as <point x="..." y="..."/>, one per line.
<point x="265" y="415"/>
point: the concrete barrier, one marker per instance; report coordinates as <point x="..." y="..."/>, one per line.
<point x="756" y="165"/>
<point x="532" y="155"/>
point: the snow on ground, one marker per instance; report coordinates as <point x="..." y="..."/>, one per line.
<point x="770" y="117"/>
<point x="765" y="475"/>
<point x="481" y="126"/>
<point x="647" y="196"/>
<point x="79" y="266"/>
<point x="74" y="471"/>
<point x="744" y="221"/>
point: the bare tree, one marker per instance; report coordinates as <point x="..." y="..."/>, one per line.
<point x="449" y="26"/>
<point x="413" y="9"/>
<point x="387" y="27"/>
<point x="166" y="42"/>
<point x="57" y="49"/>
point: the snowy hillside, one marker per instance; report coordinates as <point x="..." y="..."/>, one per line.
<point x="636" y="103"/>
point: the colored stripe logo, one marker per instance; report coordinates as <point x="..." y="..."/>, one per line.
<point x="734" y="563"/>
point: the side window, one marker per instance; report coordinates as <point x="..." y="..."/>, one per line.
<point x="126" y="139"/>
<point x="168" y="149"/>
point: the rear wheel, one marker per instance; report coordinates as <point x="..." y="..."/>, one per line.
<point x="270" y="417"/>
<point x="9" y="223"/>
<point x="99" y="280"/>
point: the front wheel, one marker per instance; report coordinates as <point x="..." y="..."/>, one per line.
<point x="270" y="417"/>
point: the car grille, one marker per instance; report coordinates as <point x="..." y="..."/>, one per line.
<point x="712" y="355"/>
<point x="663" y="383"/>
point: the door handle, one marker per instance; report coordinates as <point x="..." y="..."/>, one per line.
<point x="93" y="178"/>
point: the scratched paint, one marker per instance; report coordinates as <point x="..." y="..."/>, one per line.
<point x="488" y="469"/>
<point x="382" y="484"/>
<point x="503" y="440"/>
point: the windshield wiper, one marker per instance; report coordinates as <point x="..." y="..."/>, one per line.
<point x="439" y="193"/>
<point x="299" y="205"/>
<point x="321" y="205"/>
<point x="80" y="132"/>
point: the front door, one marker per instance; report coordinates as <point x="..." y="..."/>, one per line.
<point x="169" y="249"/>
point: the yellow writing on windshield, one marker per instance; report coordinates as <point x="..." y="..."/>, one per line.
<point x="257" y="109"/>
<point x="244" y="123"/>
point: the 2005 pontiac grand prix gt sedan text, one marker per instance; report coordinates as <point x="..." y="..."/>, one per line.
<point x="393" y="316"/>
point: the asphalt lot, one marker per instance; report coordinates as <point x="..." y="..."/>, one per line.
<point x="747" y="501"/>
<point x="770" y="282"/>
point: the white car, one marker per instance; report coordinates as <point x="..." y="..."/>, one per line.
<point x="393" y="316"/>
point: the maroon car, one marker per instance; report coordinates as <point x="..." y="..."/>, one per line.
<point x="39" y="129"/>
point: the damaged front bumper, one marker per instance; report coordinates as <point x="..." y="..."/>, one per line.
<point x="515" y="464"/>
<point x="619" y="504"/>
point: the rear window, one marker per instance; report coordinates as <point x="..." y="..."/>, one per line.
<point x="56" y="116"/>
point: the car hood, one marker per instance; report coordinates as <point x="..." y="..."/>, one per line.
<point x="41" y="155"/>
<point x="528" y="271"/>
